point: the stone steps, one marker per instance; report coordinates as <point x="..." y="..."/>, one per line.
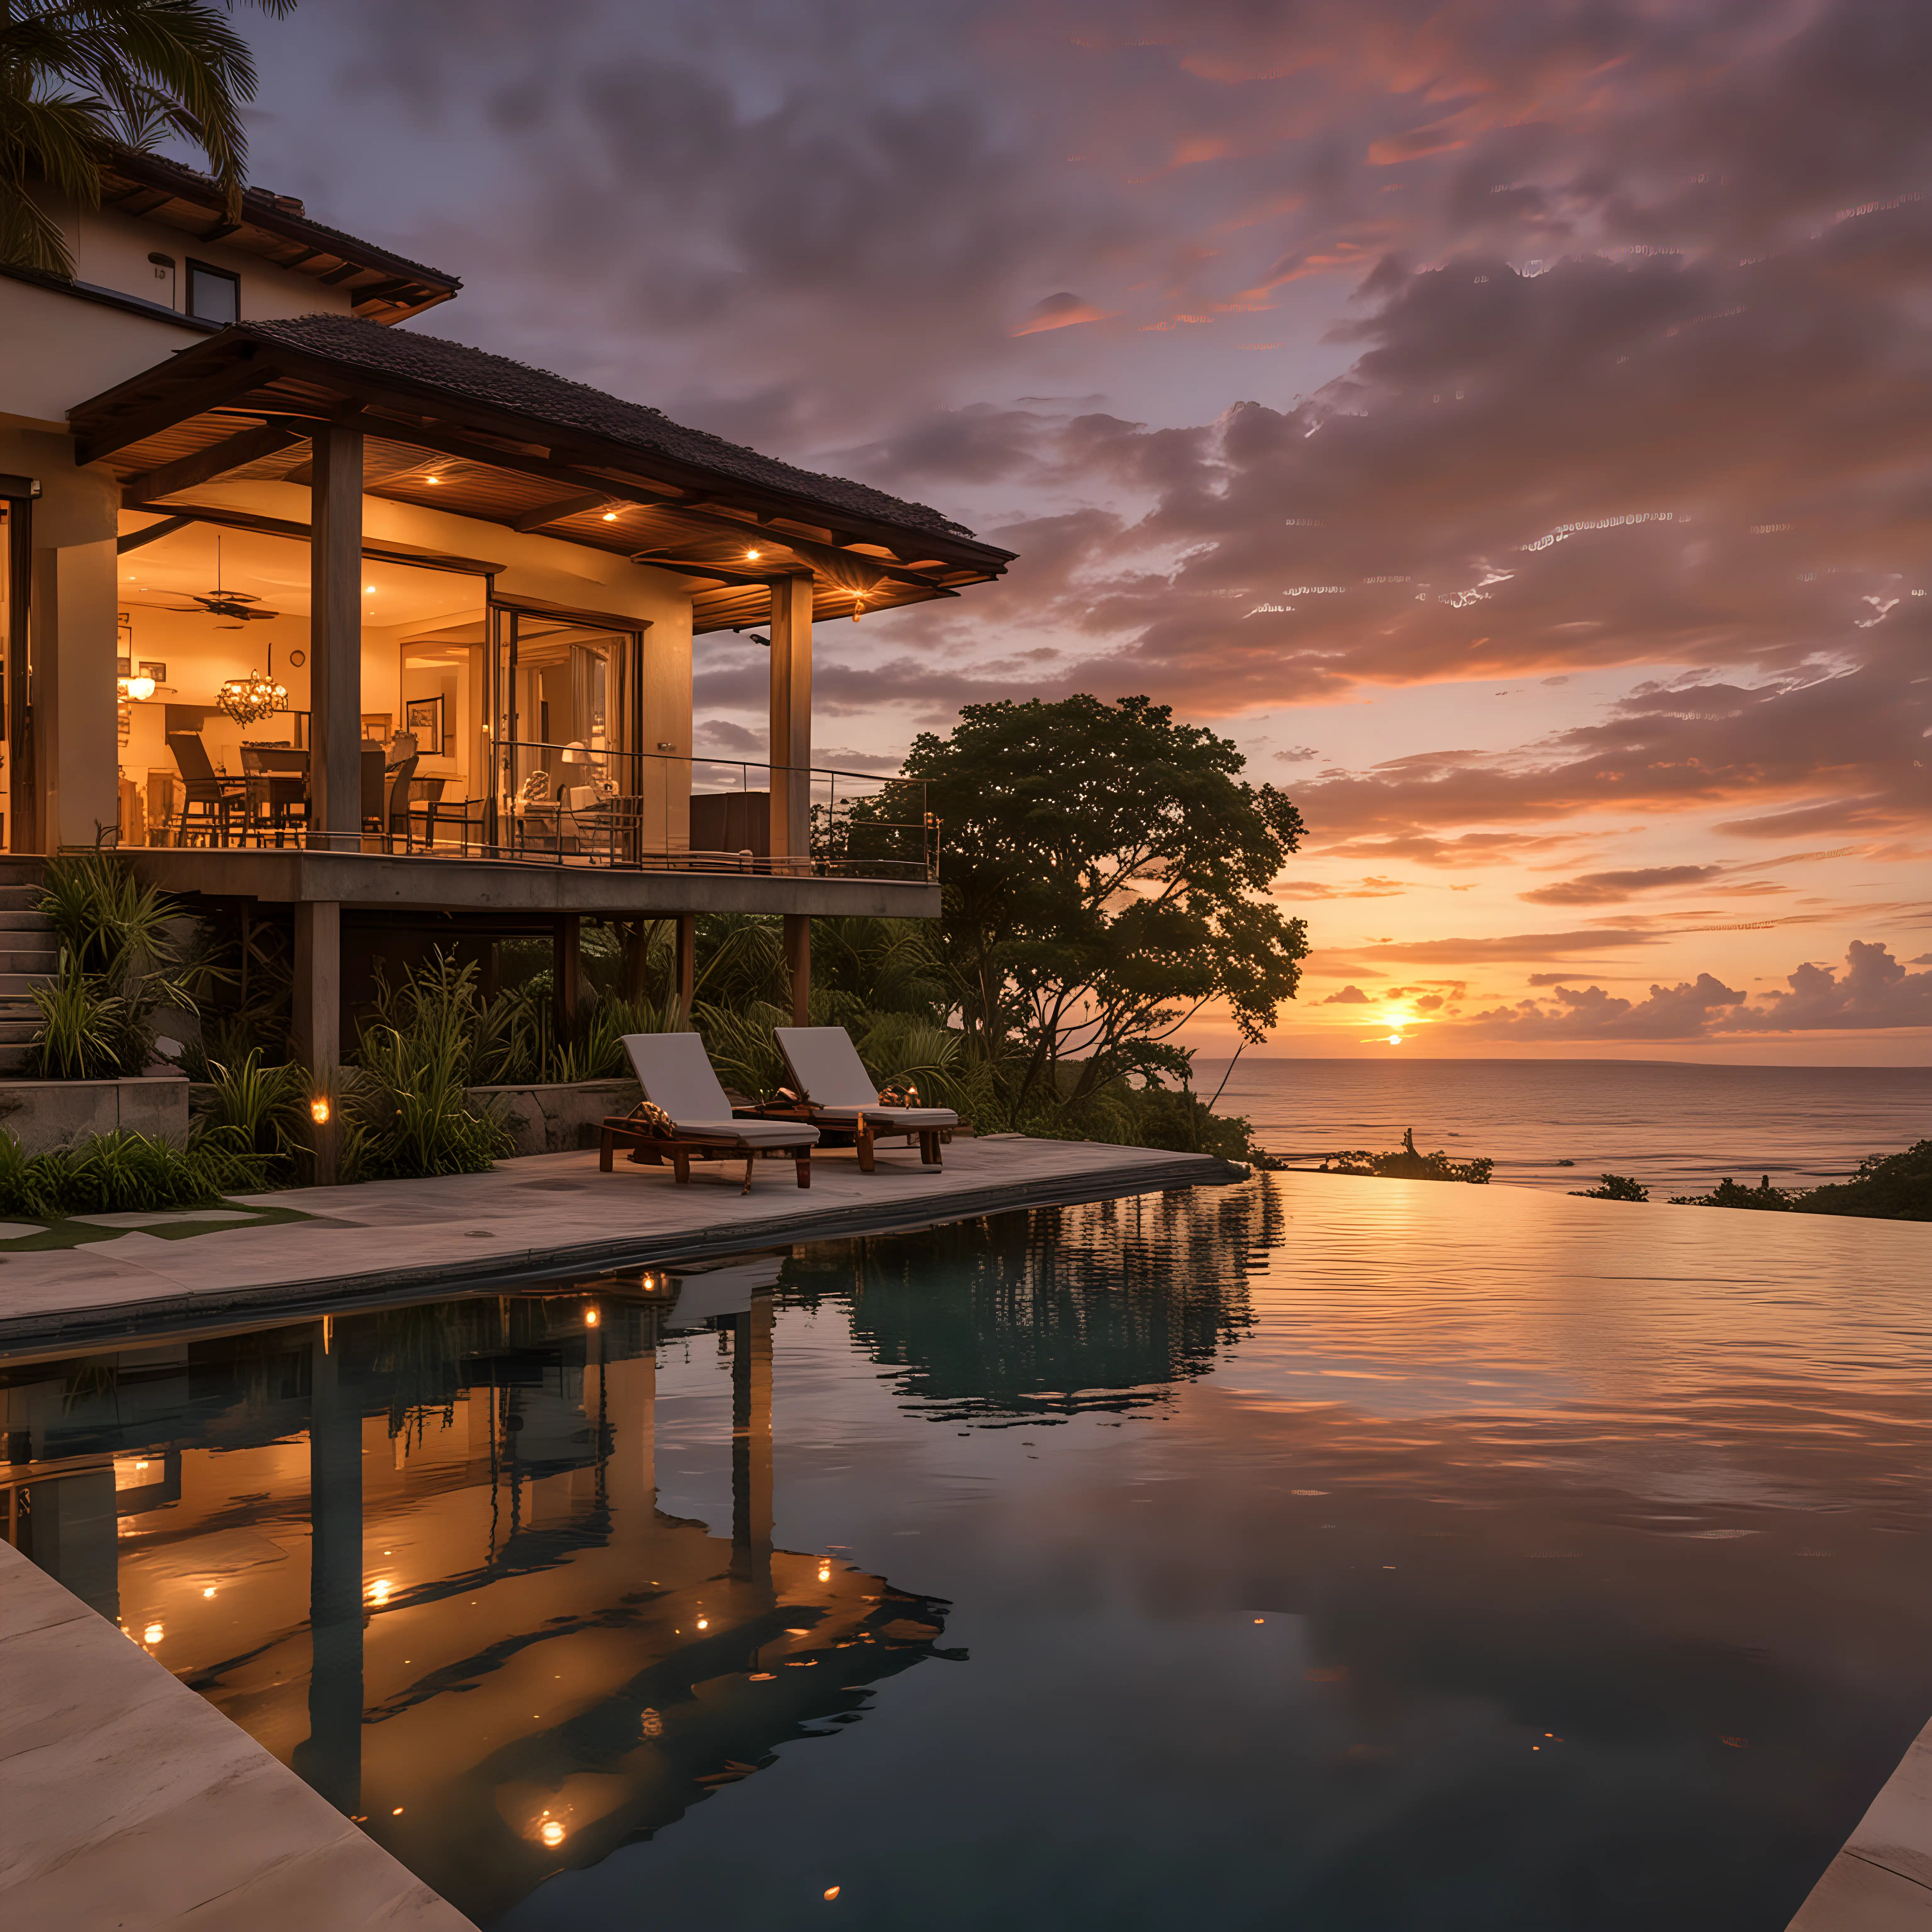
<point x="29" y="954"/>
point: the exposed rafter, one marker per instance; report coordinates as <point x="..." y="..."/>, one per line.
<point x="184" y="473"/>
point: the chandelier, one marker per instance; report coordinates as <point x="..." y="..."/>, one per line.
<point x="246" y="699"/>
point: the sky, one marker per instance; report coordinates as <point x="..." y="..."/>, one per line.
<point x="1510" y="421"/>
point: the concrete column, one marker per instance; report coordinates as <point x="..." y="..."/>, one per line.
<point x="335" y="638"/>
<point x="791" y="716"/>
<point x="72" y="1525"/>
<point x="798" y="965"/>
<point x="630" y="1410"/>
<point x="76" y="753"/>
<point x="567" y="976"/>
<point x="752" y="1442"/>
<point x="23" y="793"/>
<point x="317" y="1016"/>
<point x="330" y="1756"/>
<point x="684" y="957"/>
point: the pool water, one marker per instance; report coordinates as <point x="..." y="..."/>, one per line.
<point x="1316" y="1553"/>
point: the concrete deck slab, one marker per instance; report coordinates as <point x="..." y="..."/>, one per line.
<point x="1882" y="1881"/>
<point x="129" y="1801"/>
<point x="543" y="1217"/>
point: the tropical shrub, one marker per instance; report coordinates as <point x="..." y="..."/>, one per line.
<point x="1727" y="1193"/>
<point x="122" y="1173"/>
<point x="261" y="1111"/>
<point x="118" y="966"/>
<point x="1406" y="1164"/>
<point x="1893" y="1187"/>
<point x="1613" y="1187"/>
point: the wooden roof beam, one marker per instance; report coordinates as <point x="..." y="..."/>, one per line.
<point x="379" y="548"/>
<point x="203" y="466"/>
<point x="134" y="539"/>
<point x="555" y="513"/>
<point x="147" y="411"/>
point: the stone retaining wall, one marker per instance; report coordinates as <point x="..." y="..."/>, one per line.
<point x="555" y="1119"/>
<point x="43" y="1114"/>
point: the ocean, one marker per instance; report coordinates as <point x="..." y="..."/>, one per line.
<point x="1678" y="1128"/>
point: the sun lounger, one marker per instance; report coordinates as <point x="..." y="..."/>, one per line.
<point x="686" y="1115"/>
<point x="831" y="1080"/>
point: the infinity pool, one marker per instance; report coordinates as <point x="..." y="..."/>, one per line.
<point x="1316" y="1553"/>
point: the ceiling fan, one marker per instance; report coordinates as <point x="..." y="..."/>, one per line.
<point x="239" y="605"/>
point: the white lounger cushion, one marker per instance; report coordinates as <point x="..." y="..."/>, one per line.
<point x="831" y="1076"/>
<point x="910" y="1118"/>
<point x="675" y="1074"/>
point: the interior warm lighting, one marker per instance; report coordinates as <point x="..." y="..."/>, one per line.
<point x="552" y="1831"/>
<point x="152" y="1634"/>
<point x="136" y="688"/>
<point x="318" y="1110"/>
<point x="257" y="695"/>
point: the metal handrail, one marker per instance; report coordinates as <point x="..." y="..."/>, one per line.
<point x="574" y="805"/>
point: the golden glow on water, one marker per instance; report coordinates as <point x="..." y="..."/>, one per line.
<point x="1306" y="1511"/>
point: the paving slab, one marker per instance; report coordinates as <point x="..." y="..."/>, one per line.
<point x="1882" y="1881"/>
<point x="131" y="1802"/>
<point x="540" y="1217"/>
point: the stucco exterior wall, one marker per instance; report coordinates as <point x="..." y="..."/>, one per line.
<point x="60" y="350"/>
<point x="111" y="250"/>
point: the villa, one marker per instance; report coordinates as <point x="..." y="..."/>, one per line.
<point x="394" y="640"/>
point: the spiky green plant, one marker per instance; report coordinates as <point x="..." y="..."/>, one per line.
<point x="118" y="966"/>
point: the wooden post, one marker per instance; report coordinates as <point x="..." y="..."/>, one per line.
<point x="686" y="959"/>
<point x="567" y="976"/>
<point x="798" y="965"/>
<point x="791" y="719"/>
<point x="330" y="1756"/>
<point x="751" y="1443"/>
<point x="318" y="1017"/>
<point x="335" y="639"/>
<point x="23" y="798"/>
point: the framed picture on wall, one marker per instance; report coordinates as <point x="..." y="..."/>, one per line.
<point x="376" y="726"/>
<point x="424" y="717"/>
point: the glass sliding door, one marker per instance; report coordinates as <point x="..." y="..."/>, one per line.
<point x="564" y="729"/>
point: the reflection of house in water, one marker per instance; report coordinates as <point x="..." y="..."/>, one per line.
<point x="1058" y="1311"/>
<point x="484" y="1638"/>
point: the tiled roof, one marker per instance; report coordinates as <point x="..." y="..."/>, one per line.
<point x="275" y="211"/>
<point x="554" y="401"/>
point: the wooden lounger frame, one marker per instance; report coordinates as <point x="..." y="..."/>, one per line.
<point x="865" y="1134"/>
<point x="681" y="1150"/>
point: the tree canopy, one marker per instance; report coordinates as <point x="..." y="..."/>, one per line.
<point x="78" y="78"/>
<point x="1105" y="873"/>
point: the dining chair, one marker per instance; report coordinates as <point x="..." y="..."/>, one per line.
<point x="206" y="793"/>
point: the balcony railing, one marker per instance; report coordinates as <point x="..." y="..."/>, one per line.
<point x="566" y="805"/>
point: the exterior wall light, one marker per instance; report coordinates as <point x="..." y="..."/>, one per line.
<point x="318" y="1110"/>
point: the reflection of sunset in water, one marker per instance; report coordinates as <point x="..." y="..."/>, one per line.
<point x="1341" y="1553"/>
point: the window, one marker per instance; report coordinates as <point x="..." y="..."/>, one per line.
<point x="213" y="294"/>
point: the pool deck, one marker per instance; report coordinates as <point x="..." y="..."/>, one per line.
<point x="540" y="1218"/>
<point x="129" y="1801"/>
<point x="1881" y="1880"/>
